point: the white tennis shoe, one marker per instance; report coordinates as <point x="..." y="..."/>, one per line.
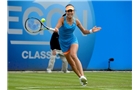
<point x="83" y="80"/>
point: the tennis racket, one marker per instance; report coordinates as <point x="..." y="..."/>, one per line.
<point x="34" y="25"/>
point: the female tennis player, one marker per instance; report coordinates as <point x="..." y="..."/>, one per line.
<point x="68" y="41"/>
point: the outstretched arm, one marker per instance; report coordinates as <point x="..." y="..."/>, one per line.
<point x="59" y="24"/>
<point x="84" y="31"/>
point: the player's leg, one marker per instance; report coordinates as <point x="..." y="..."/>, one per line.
<point x="51" y="62"/>
<point x="73" y="54"/>
<point x="72" y="64"/>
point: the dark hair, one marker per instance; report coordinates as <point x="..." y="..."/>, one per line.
<point x="65" y="7"/>
<point x="64" y="15"/>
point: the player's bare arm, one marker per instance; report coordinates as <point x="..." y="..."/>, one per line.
<point x="59" y="24"/>
<point x="84" y="31"/>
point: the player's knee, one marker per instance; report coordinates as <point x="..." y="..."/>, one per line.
<point x="73" y="55"/>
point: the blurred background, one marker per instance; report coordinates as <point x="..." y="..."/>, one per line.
<point x="108" y="49"/>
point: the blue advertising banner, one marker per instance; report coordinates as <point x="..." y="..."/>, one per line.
<point x="27" y="51"/>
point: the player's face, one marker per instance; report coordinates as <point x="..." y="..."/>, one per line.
<point x="69" y="11"/>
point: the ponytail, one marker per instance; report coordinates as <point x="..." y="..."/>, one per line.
<point x="64" y="15"/>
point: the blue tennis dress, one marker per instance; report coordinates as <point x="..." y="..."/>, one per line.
<point x="66" y="35"/>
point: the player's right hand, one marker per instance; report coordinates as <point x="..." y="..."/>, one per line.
<point x="56" y="30"/>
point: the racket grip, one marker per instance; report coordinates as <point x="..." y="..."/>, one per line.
<point x="52" y="29"/>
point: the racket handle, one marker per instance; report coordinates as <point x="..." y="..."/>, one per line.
<point x="52" y="29"/>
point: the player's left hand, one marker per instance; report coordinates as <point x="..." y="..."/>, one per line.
<point x="95" y="29"/>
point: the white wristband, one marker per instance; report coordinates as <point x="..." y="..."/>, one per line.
<point x="90" y="31"/>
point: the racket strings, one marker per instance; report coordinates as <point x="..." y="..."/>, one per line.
<point x="33" y="25"/>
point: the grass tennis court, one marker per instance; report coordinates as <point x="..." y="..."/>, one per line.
<point x="97" y="80"/>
